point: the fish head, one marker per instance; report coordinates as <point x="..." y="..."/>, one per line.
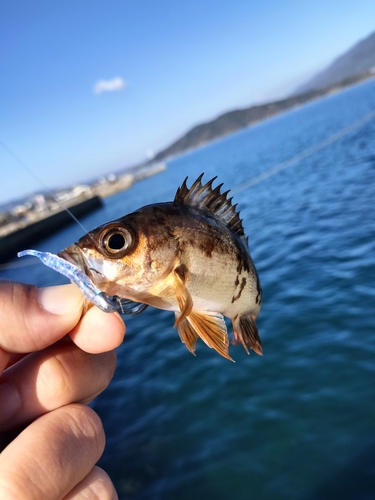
<point x="127" y="256"/>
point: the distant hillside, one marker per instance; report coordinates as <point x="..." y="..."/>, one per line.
<point x="230" y="122"/>
<point x="359" y="59"/>
<point x="355" y="65"/>
<point x="240" y="118"/>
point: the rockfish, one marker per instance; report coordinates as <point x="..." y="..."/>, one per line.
<point x="189" y="256"/>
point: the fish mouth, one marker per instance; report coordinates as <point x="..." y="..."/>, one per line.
<point x="74" y="255"/>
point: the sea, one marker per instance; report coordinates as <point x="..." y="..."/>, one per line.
<point x="297" y="423"/>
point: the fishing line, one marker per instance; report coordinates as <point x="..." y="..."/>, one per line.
<point x="241" y="187"/>
<point x="30" y="171"/>
<point x="304" y="154"/>
<point x="40" y="181"/>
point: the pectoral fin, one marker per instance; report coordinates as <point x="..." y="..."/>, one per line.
<point x="246" y="332"/>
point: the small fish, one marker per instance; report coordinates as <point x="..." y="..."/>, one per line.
<point x="189" y="256"/>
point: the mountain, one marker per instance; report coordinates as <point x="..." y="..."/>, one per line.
<point x="231" y="122"/>
<point x="355" y="65"/>
<point x="359" y="59"/>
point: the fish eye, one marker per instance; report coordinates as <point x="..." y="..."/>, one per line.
<point x="116" y="241"/>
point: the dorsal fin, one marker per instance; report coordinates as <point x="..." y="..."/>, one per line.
<point x="211" y="199"/>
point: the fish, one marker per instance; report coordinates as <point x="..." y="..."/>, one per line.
<point x="189" y="256"/>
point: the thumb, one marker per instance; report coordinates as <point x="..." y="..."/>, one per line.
<point x="32" y="318"/>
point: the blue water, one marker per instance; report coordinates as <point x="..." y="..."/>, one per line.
<point x="299" y="422"/>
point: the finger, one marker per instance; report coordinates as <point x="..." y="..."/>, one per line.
<point x="33" y="318"/>
<point x="96" y="486"/>
<point x="49" y="379"/>
<point x="98" y="331"/>
<point x="52" y="455"/>
<point x="4" y="359"/>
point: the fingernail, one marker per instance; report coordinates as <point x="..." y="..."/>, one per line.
<point x="63" y="299"/>
<point x="10" y="402"/>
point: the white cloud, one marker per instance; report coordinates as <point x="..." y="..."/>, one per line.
<point x="109" y="85"/>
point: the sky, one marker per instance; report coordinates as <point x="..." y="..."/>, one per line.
<point x="90" y="87"/>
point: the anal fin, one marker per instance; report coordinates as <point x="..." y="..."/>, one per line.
<point x="246" y="332"/>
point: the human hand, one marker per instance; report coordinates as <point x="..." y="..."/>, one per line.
<point x="47" y="390"/>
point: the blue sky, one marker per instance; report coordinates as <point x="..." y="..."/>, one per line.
<point x="88" y="87"/>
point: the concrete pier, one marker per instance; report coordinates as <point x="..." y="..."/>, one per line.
<point x="27" y="236"/>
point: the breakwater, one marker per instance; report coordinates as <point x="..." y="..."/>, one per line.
<point x="28" y="235"/>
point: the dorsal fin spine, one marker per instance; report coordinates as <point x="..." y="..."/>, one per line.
<point x="205" y="197"/>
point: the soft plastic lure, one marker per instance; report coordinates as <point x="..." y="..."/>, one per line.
<point x="87" y="287"/>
